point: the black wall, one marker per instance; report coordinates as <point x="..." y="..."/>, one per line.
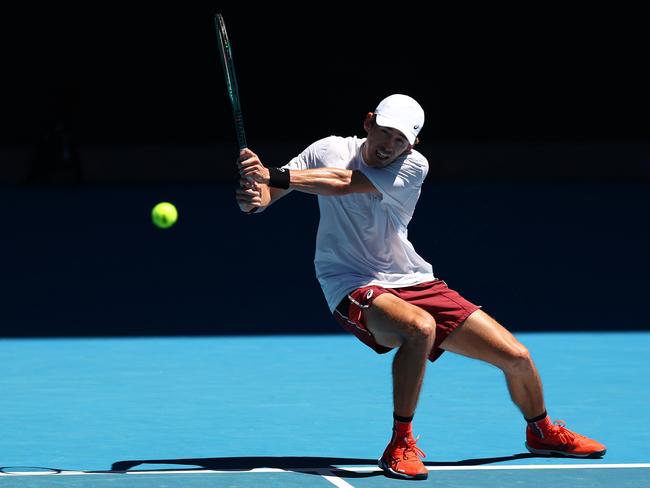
<point x="143" y="74"/>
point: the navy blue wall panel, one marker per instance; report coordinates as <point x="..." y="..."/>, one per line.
<point x="87" y="260"/>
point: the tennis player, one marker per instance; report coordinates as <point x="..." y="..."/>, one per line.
<point x="378" y="287"/>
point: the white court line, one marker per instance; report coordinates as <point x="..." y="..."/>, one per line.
<point x="330" y="474"/>
<point x="354" y="469"/>
<point x="335" y="480"/>
<point x="540" y="466"/>
<point x="71" y="472"/>
<point x="327" y="474"/>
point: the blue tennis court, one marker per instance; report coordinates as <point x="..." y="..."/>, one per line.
<point x="305" y="411"/>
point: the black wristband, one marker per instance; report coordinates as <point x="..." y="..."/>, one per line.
<point x="279" y="178"/>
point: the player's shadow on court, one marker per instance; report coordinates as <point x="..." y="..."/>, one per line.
<point x="305" y="465"/>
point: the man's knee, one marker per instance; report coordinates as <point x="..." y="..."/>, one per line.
<point x="519" y="360"/>
<point x="416" y="329"/>
<point x="394" y="322"/>
<point x="421" y="328"/>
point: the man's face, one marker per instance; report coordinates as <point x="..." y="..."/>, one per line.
<point x="384" y="144"/>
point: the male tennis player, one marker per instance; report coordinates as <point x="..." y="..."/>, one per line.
<point x="381" y="290"/>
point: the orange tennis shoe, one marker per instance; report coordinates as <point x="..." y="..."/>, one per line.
<point x="554" y="439"/>
<point x="401" y="459"/>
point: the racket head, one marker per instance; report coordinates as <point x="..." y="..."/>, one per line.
<point x="228" y="64"/>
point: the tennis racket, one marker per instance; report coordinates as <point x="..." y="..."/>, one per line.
<point x="231" y="82"/>
<point x="231" y="79"/>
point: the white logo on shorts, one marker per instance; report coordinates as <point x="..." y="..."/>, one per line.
<point x="369" y="295"/>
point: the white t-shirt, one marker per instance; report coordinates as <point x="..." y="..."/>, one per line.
<point x="362" y="237"/>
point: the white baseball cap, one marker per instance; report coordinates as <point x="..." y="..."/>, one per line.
<point x="401" y="112"/>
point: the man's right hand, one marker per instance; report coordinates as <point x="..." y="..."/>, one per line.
<point x="248" y="195"/>
<point x="251" y="168"/>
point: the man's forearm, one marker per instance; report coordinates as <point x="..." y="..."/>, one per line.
<point x="318" y="181"/>
<point x="330" y="181"/>
<point x="321" y="181"/>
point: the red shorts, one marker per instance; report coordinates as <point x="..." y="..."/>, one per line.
<point x="445" y="305"/>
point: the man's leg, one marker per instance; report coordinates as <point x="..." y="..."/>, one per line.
<point x="481" y="337"/>
<point x="397" y="324"/>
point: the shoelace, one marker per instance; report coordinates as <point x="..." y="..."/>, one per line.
<point x="411" y="447"/>
<point x="564" y="434"/>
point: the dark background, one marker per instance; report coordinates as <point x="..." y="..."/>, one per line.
<point x="537" y="132"/>
<point x="145" y="74"/>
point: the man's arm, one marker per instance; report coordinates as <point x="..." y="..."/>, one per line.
<point x="318" y="181"/>
<point x="330" y="181"/>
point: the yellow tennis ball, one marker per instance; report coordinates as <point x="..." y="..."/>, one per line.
<point x="164" y="215"/>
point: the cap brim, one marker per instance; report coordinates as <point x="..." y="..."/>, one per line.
<point x="388" y="122"/>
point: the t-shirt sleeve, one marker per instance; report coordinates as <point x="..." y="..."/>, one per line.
<point x="400" y="182"/>
<point x="313" y="156"/>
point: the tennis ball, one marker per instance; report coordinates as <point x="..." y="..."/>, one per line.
<point x="164" y="215"/>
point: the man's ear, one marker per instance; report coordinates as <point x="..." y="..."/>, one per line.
<point x="409" y="149"/>
<point x="368" y="121"/>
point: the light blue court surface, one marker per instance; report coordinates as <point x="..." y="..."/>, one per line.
<point x="305" y="411"/>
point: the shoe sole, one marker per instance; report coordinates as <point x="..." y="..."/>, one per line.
<point x="550" y="452"/>
<point x="398" y="475"/>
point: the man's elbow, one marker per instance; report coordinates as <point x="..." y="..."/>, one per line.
<point x="352" y="182"/>
<point x="341" y="189"/>
<point x="343" y="185"/>
<point x="357" y="188"/>
<point x="359" y="183"/>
